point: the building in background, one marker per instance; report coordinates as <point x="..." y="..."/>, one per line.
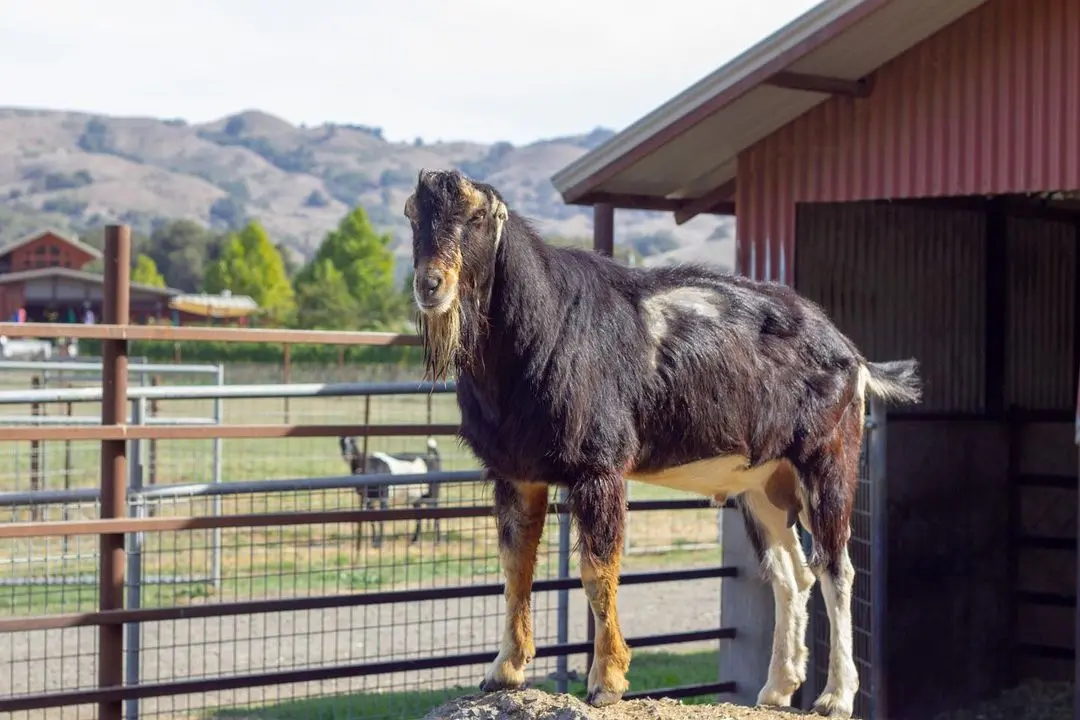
<point x="43" y="274"/>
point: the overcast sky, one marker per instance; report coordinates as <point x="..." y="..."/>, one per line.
<point x="452" y="69"/>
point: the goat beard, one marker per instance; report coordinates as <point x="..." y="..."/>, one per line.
<point x="441" y="335"/>
<point x="451" y="338"/>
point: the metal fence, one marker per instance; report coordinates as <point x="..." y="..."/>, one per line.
<point x="252" y="597"/>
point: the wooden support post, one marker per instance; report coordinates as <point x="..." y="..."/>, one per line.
<point x="604" y="229"/>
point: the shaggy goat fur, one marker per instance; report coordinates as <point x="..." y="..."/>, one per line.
<point x="574" y="370"/>
<point x="401" y="463"/>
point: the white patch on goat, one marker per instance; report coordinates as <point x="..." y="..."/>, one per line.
<point x="719" y="477"/>
<point x="397" y="466"/>
<point x="657" y="310"/>
<point x="500" y="214"/>
<point x="401" y="467"/>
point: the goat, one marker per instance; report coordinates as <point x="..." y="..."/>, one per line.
<point x="402" y="463"/>
<point x="574" y="370"/>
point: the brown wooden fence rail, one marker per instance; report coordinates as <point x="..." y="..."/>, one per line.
<point x="115" y="332"/>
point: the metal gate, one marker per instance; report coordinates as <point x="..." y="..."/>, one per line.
<point x="867" y="548"/>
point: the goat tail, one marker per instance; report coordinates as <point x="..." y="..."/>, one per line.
<point x="896" y="380"/>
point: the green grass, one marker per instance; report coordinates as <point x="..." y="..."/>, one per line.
<point x="648" y="670"/>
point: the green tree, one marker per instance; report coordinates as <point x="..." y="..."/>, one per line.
<point x="325" y="303"/>
<point x="145" y="272"/>
<point x="250" y="264"/>
<point x="182" y="250"/>
<point x="364" y="259"/>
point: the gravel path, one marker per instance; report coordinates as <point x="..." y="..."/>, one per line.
<point x="177" y="650"/>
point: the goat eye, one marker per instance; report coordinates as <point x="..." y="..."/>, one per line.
<point x="478" y="216"/>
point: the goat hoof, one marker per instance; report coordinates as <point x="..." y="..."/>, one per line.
<point x="492" y="685"/>
<point x="601" y="697"/>
<point x="830" y="705"/>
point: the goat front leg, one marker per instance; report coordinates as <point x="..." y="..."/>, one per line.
<point x="520" y="510"/>
<point x="600" y="508"/>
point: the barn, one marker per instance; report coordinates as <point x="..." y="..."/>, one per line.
<point x="914" y="167"/>
<point x="42" y="273"/>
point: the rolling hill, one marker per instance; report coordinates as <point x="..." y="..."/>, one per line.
<point x="76" y="171"/>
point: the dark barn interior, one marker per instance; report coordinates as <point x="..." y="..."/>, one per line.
<point x="982" y="503"/>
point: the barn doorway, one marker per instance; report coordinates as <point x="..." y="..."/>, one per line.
<point x="981" y="499"/>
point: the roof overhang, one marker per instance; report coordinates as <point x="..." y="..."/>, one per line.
<point x="80" y="276"/>
<point x="682" y="156"/>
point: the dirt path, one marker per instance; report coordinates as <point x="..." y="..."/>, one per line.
<point x="184" y="649"/>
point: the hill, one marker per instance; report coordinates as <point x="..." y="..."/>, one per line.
<point x="77" y="171"/>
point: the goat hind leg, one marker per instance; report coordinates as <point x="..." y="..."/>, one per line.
<point x="830" y="524"/>
<point x="784" y="567"/>
<point x="600" y="506"/>
<point x="520" y="510"/>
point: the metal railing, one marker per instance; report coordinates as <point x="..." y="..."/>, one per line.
<point x="123" y="526"/>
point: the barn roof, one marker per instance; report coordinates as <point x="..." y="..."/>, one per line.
<point x="69" y="239"/>
<point x="682" y="155"/>
<point x="78" y="276"/>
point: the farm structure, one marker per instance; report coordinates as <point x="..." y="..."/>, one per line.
<point x="43" y="274"/>
<point x="228" y="587"/>
<point x="913" y="167"/>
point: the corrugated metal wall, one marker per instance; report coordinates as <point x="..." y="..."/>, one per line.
<point x="904" y="281"/>
<point x="1041" y="311"/>
<point x="989" y="105"/>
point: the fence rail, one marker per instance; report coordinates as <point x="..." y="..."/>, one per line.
<point x="124" y="527"/>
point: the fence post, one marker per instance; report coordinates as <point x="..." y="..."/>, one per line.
<point x="69" y="409"/>
<point x="215" y="550"/>
<point x="879" y="543"/>
<point x="35" y="456"/>
<point x="563" y="609"/>
<point x="114" y="381"/>
<point x="133" y="631"/>
<point x="287" y="375"/>
<point x="152" y="450"/>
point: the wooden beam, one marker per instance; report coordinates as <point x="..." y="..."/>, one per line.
<point x="718" y="200"/>
<point x="860" y="88"/>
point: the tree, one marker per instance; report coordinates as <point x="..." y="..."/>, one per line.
<point x="364" y="259"/>
<point x="249" y="264"/>
<point x="325" y="303"/>
<point x="182" y="250"/>
<point x="146" y="272"/>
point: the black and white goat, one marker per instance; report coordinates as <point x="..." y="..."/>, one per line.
<point x="574" y="370"/>
<point x="402" y="463"/>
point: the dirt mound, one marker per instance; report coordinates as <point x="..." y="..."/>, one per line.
<point x="539" y="705"/>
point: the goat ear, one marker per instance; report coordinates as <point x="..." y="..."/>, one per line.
<point x="500" y="213"/>
<point x="410" y="208"/>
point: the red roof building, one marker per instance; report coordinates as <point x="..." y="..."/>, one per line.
<point x="914" y="167"/>
<point x="43" y="275"/>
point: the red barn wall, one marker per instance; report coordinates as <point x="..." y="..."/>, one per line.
<point x="48" y="251"/>
<point x="986" y="106"/>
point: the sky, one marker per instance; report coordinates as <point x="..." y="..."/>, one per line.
<point x="482" y="70"/>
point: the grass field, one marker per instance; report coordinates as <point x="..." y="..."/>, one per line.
<point x="258" y="563"/>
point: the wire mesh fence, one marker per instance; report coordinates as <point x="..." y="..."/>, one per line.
<point x="389" y="646"/>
